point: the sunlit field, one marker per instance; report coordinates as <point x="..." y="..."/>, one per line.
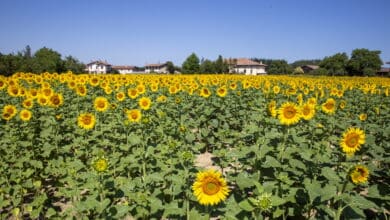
<point x="194" y="147"/>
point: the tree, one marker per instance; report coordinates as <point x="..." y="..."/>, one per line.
<point x="364" y="62"/>
<point x="278" y="67"/>
<point x="335" y="65"/>
<point x="9" y="64"/>
<point x="221" y="66"/>
<point x="47" y="60"/>
<point x="170" y="67"/>
<point x="73" y="64"/>
<point x="207" y="66"/>
<point x="191" y="64"/>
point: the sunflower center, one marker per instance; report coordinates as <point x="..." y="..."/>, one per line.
<point x="352" y="140"/>
<point x="134" y="115"/>
<point x="306" y="111"/>
<point x="145" y="103"/>
<point x="329" y="105"/>
<point x="101" y="104"/>
<point x="289" y="112"/>
<point x="362" y="172"/>
<point x="211" y="187"/>
<point x="87" y="120"/>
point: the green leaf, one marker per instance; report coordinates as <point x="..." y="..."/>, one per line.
<point x="246" y="205"/>
<point x="330" y="174"/>
<point x="243" y="181"/>
<point x="134" y="139"/>
<point x="271" y="162"/>
<point x="277" y="201"/>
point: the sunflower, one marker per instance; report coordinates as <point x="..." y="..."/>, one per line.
<point x="120" y="96"/>
<point x="210" y="188"/>
<point x="359" y="174"/>
<point x="222" y="91"/>
<point x="141" y="89"/>
<point x="308" y="111"/>
<point x="352" y="139"/>
<point x="25" y="115"/>
<point x="13" y="91"/>
<point x="9" y="111"/>
<point x="42" y="100"/>
<point x="100" y="164"/>
<point x="342" y="104"/>
<point x="3" y="83"/>
<point x="145" y="103"/>
<point x="363" y="117"/>
<point x="272" y="108"/>
<point x="329" y="106"/>
<point x="28" y="103"/>
<point x="162" y="98"/>
<point x="289" y="113"/>
<point x="173" y="89"/>
<point x="205" y="92"/>
<point x="132" y="93"/>
<point x="81" y="90"/>
<point x="134" y="115"/>
<point x="56" y="100"/>
<point x="100" y="104"/>
<point x="94" y="81"/>
<point x="86" y="121"/>
<point x="276" y="89"/>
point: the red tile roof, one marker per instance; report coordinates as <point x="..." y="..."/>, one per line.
<point x="99" y="62"/>
<point x="123" y="67"/>
<point x="155" y="65"/>
<point x="244" y="62"/>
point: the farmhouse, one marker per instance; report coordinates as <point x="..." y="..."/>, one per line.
<point x="309" y="68"/>
<point x="99" y="67"/>
<point x="125" y="69"/>
<point x="246" y="66"/>
<point x="156" y="68"/>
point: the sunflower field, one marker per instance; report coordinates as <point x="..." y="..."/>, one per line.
<point x="130" y="147"/>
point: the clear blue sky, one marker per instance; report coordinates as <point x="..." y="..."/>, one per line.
<point x="136" y="32"/>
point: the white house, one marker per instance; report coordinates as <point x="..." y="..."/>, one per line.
<point x="125" y="69"/>
<point x="246" y="66"/>
<point x="156" y="68"/>
<point x="98" y="67"/>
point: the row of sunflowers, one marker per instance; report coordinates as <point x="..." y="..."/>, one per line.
<point x="129" y="146"/>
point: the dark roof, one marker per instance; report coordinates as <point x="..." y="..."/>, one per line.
<point x="384" y="70"/>
<point x="312" y="67"/>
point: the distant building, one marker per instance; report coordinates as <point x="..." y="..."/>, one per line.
<point x="125" y="69"/>
<point x="98" y="67"/>
<point x="383" y="71"/>
<point x="309" y="68"/>
<point x="156" y="68"/>
<point x="246" y="66"/>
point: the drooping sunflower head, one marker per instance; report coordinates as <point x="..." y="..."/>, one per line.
<point x="272" y="108"/>
<point x="162" y="98"/>
<point x="101" y="104"/>
<point x="25" y="115"/>
<point x="352" y="140"/>
<point x="329" y="106"/>
<point x="134" y="115"/>
<point x="289" y="113"/>
<point x="359" y="174"/>
<point x="308" y="111"/>
<point x="145" y="103"/>
<point x="210" y="188"/>
<point x="86" y="121"/>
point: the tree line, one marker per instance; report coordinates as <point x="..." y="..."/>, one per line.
<point x="362" y="62"/>
<point x="43" y="60"/>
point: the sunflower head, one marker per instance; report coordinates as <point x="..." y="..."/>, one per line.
<point x="359" y="174"/>
<point x="145" y="103"/>
<point x="308" y="111"/>
<point x="210" y="188"/>
<point x="222" y="91"/>
<point x="289" y="113"/>
<point x="86" y="121"/>
<point x="101" y="104"/>
<point x="329" y="106"/>
<point x="363" y="117"/>
<point x="120" y="96"/>
<point x="25" y="115"/>
<point x="9" y="111"/>
<point x="352" y="140"/>
<point x="134" y="115"/>
<point x="205" y="92"/>
<point x="100" y="164"/>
